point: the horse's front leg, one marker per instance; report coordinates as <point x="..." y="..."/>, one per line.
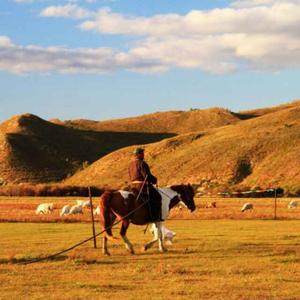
<point x="157" y="237"/>
<point x="161" y="246"/>
<point x="124" y="227"/>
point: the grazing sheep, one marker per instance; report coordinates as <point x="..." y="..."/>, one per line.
<point x="76" y="209"/>
<point x="97" y="211"/>
<point x="84" y="203"/>
<point x="166" y="233"/>
<point x="247" y="206"/>
<point x="211" y="205"/>
<point x="79" y="202"/>
<point x="293" y="204"/>
<point x="44" y="208"/>
<point x="65" y="210"/>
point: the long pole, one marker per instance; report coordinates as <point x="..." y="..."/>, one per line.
<point x="275" y="204"/>
<point x="92" y="214"/>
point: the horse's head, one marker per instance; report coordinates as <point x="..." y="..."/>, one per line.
<point x="187" y="194"/>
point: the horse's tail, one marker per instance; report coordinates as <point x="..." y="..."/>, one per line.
<point x="105" y="212"/>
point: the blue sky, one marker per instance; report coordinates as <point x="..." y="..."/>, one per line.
<point x="106" y="59"/>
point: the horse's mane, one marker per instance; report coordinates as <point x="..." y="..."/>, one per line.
<point x="178" y="187"/>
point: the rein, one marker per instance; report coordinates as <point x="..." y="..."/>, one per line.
<point x="89" y="239"/>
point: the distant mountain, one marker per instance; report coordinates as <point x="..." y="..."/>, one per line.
<point x="263" y="150"/>
<point x="172" y="122"/>
<point x="35" y="150"/>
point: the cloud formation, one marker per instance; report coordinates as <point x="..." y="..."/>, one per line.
<point x="68" y="10"/>
<point x="255" y="3"/>
<point x="260" y="35"/>
<point x="23" y="1"/>
<point x="24" y="59"/>
<point x="263" y="37"/>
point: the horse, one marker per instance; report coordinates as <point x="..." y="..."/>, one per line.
<point x="122" y="205"/>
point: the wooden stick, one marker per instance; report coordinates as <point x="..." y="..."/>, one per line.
<point x="92" y="214"/>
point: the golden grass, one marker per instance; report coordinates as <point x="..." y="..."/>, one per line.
<point x="257" y="152"/>
<point x="22" y="209"/>
<point x="34" y="150"/>
<point x="171" y="121"/>
<point x="210" y="259"/>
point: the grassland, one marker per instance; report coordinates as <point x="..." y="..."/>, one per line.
<point x="22" y="209"/>
<point x="210" y="259"/>
<point x="258" y="152"/>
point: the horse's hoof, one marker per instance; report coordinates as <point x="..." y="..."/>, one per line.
<point x="131" y="251"/>
<point x="144" y="248"/>
<point x="106" y="253"/>
<point x="163" y="250"/>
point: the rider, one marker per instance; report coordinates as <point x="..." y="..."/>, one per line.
<point x="139" y="172"/>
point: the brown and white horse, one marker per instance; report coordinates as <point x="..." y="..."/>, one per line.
<point x="123" y="206"/>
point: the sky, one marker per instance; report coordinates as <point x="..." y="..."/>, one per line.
<point x="107" y="59"/>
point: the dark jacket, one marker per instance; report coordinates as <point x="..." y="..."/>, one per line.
<point x="138" y="170"/>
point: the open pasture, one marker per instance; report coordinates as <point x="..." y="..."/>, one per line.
<point x="22" y="209"/>
<point x="210" y="259"/>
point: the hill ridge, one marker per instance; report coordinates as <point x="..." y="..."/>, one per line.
<point x="254" y="152"/>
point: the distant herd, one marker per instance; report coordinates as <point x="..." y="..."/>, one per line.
<point x="48" y="208"/>
<point x="168" y="235"/>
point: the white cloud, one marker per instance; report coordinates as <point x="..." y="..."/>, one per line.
<point x="5" y="41"/>
<point x="23" y="1"/>
<point x="68" y="11"/>
<point x="24" y="59"/>
<point x="255" y="3"/>
<point x="281" y="17"/>
<point x="217" y="40"/>
<point x="262" y="35"/>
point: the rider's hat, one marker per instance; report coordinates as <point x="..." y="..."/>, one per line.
<point x="138" y="151"/>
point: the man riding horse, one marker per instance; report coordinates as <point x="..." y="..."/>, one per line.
<point x="142" y="181"/>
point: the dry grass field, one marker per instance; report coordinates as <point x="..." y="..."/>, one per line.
<point x="218" y="253"/>
<point x="210" y="259"/>
<point x="22" y="209"/>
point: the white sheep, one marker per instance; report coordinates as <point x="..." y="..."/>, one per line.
<point x="84" y="203"/>
<point x="247" y="206"/>
<point x="166" y="233"/>
<point x="97" y="211"/>
<point x="65" y="210"/>
<point x="293" y="204"/>
<point x="44" y="208"/>
<point x="76" y="209"/>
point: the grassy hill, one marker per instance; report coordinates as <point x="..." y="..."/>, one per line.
<point x="34" y="150"/>
<point x="261" y="151"/>
<point x="173" y="122"/>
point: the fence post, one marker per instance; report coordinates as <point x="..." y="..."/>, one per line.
<point x="92" y="214"/>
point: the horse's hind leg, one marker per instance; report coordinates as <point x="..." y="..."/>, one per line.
<point x="123" y="231"/>
<point x="104" y="246"/>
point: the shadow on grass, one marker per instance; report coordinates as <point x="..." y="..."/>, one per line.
<point x="35" y="260"/>
<point x="29" y="260"/>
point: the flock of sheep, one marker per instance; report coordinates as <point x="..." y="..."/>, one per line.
<point x="168" y="235"/>
<point x="249" y="206"/>
<point x="47" y="208"/>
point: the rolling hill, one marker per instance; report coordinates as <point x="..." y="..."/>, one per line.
<point x="172" y="122"/>
<point x="259" y="151"/>
<point x="35" y="150"/>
